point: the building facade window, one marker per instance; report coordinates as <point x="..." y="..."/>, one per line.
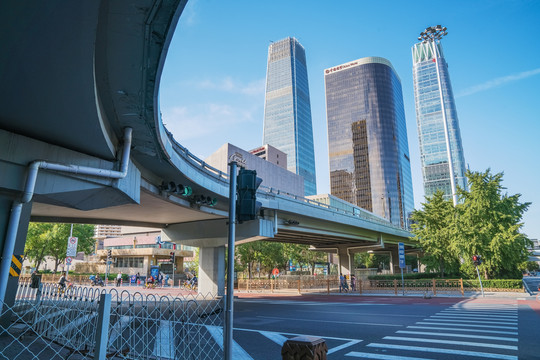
<point x="367" y="139"/>
<point x="429" y="119"/>
<point x="287" y="115"/>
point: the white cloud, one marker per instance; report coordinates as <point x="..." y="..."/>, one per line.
<point x="227" y="84"/>
<point x="206" y="120"/>
<point x="497" y="82"/>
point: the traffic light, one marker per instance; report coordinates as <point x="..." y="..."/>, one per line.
<point x="477" y="260"/>
<point x="179" y="189"/>
<point x="183" y="190"/>
<point x="247" y="205"/>
<point x="172" y="257"/>
<point x="109" y="254"/>
<point x="205" y="200"/>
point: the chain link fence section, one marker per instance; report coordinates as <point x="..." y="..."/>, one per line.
<point x="152" y="327"/>
<point x="52" y="323"/>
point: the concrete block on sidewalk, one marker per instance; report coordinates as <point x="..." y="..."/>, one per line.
<point x="304" y="348"/>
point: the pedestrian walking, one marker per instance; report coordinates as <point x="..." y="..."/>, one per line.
<point x="119" y="279"/>
<point x="353" y="282"/>
<point x="343" y="283"/>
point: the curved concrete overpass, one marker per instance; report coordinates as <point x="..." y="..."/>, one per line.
<point x="73" y="77"/>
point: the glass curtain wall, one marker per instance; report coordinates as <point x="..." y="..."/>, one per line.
<point x="367" y="138"/>
<point x="431" y="132"/>
<point x="287" y="113"/>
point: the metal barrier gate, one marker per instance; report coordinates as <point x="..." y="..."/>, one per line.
<point x="84" y="322"/>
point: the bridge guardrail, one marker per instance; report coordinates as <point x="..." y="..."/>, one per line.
<point x="194" y="160"/>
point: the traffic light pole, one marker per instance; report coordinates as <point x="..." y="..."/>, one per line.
<point x="481" y="287"/>
<point x="228" y="330"/>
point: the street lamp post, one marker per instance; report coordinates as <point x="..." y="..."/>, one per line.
<point x="434" y="34"/>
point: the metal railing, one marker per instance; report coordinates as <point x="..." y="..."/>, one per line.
<point x="220" y="175"/>
<point x="51" y="323"/>
<point x="321" y="284"/>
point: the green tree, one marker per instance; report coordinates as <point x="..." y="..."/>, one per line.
<point x="247" y="254"/>
<point x="489" y="224"/>
<point x="48" y="239"/>
<point x="434" y="228"/>
<point x="37" y="246"/>
<point x="273" y="255"/>
<point x="302" y="255"/>
<point x="531" y="266"/>
<point x="485" y="222"/>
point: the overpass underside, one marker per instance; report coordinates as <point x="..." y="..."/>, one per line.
<point x="76" y="78"/>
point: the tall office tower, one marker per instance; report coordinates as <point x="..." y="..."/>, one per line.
<point x="367" y="138"/>
<point x="287" y="110"/>
<point x="439" y="135"/>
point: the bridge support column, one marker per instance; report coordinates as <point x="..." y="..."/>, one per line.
<point x="345" y="261"/>
<point x="394" y="260"/>
<point x="10" y="287"/>
<point x="212" y="270"/>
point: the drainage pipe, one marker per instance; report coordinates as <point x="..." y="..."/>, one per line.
<point x="29" y="186"/>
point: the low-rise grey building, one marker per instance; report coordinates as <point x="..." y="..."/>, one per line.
<point x="274" y="176"/>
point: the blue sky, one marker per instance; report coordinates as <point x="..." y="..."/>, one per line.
<point x="212" y="87"/>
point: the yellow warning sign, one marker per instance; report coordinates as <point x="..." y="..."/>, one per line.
<point x="16" y="265"/>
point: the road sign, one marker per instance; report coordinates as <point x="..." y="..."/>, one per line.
<point x="72" y="246"/>
<point x="401" y="248"/>
<point x="68" y="260"/>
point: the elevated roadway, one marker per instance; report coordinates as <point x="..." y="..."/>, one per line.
<point x="81" y="140"/>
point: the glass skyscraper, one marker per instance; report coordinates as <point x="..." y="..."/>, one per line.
<point x="287" y="111"/>
<point x="367" y="138"/>
<point x="431" y="129"/>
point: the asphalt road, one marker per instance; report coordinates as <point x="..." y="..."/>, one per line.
<point x="390" y="328"/>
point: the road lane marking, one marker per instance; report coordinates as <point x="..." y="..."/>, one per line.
<point x="275" y="337"/>
<point x="343" y="346"/>
<point x="362" y="315"/>
<point x="475" y="315"/>
<point x="451" y="342"/>
<point x="451" y="322"/>
<point x="314" y="303"/>
<point x="238" y="353"/>
<point x="382" y="357"/>
<point x="327" y="321"/>
<point x="461" y="329"/>
<point x="119" y="327"/>
<point x="445" y="351"/>
<point x="469" y="336"/>
<point x="463" y="319"/>
<point x="442" y="320"/>
<point x="481" y="312"/>
<point x="164" y="340"/>
<point x="279" y="339"/>
<point x="294" y="334"/>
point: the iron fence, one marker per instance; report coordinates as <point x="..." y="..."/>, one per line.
<point x="318" y="284"/>
<point x="85" y="322"/>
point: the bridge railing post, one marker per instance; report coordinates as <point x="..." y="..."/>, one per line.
<point x="328" y="286"/>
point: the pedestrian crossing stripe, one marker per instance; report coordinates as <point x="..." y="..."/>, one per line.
<point x="16" y="265"/>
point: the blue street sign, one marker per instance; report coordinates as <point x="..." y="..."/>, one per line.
<point x="401" y="249"/>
